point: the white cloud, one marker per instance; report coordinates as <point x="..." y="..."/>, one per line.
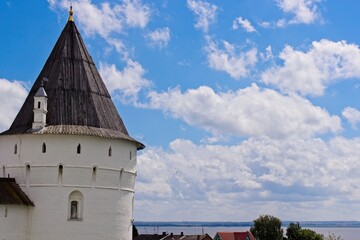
<point x="308" y="73"/>
<point x="206" y="179"/>
<point x="136" y="14"/>
<point x="128" y="82"/>
<point x="227" y="59"/>
<point x="247" y="112"/>
<point x="305" y="11"/>
<point x="205" y="13"/>
<point x="352" y="115"/>
<point x="160" y="37"/>
<point x="106" y="18"/>
<point x="268" y="55"/>
<point x="244" y="23"/>
<point x="265" y="24"/>
<point x="101" y="20"/>
<point x="12" y="96"/>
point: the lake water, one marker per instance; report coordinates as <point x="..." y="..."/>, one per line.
<point x="345" y="233"/>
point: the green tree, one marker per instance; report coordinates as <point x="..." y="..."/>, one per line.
<point x="295" y="232"/>
<point x="307" y="234"/>
<point x="267" y="227"/>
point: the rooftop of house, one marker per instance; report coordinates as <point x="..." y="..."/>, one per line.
<point x="11" y="193"/>
<point x="234" y="236"/>
<point x="171" y="236"/>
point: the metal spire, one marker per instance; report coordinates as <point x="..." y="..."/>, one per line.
<point x="71" y="19"/>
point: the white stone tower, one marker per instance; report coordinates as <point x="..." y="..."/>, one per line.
<point x="70" y="155"/>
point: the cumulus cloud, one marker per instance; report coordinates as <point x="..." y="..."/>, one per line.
<point x="160" y="37"/>
<point x="228" y="59"/>
<point x="135" y="12"/>
<point x="282" y="175"/>
<point x="352" y="115"/>
<point x="128" y="82"/>
<point x="308" y="73"/>
<point x="247" y="112"/>
<point x="12" y="96"/>
<point x="205" y="13"/>
<point x="244" y="24"/>
<point x="106" y="18"/>
<point x="305" y="11"/>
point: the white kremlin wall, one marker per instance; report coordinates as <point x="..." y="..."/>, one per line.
<point x="103" y="185"/>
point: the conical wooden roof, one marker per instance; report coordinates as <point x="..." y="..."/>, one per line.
<point x="78" y="101"/>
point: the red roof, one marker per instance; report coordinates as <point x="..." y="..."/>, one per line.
<point x="235" y="236"/>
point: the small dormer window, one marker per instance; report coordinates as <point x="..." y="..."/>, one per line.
<point x="78" y="150"/>
<point x="39" y="104"/>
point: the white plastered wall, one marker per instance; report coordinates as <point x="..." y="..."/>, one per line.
<point x="106" y="183"/>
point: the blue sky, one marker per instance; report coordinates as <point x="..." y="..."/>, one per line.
<point x="246" y="107"/>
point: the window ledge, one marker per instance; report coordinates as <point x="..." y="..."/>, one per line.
<point x="75" y="219"/>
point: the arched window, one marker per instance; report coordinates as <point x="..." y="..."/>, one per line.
<point x="28" y="168"/>
<point x="15" y="149"/>
<point x="44" y="148"/>
<point x="60" y="174"/>
<point x="93" y="175"/>
<point x="75" y="209"/>
<point x="110" y="152"/>
<point x="78" y="150"/>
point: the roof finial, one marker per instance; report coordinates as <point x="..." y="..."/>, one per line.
<point x="71" y="14"/>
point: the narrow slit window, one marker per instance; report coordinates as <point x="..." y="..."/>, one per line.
<point x="130" y="155"/>
<point x="78" y="150"/>
<point x="15" y="149"/>
<point x="110" y="152"/>
<point x="39" y="104"/>
<point x="28" y="168"/>
<point x="44" y="148"/>
<point x="60" y="175"/>
<point x="94" y="175"/>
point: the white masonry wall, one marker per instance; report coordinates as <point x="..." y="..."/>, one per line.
<point x="14" y="222"/>
<point x="105" y="182"/>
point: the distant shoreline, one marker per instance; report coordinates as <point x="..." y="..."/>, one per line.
<point x="313" y="224"/>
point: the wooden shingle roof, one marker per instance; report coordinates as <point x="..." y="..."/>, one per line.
<point x="11" y="193"/>
<point x="77" y="96"/>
